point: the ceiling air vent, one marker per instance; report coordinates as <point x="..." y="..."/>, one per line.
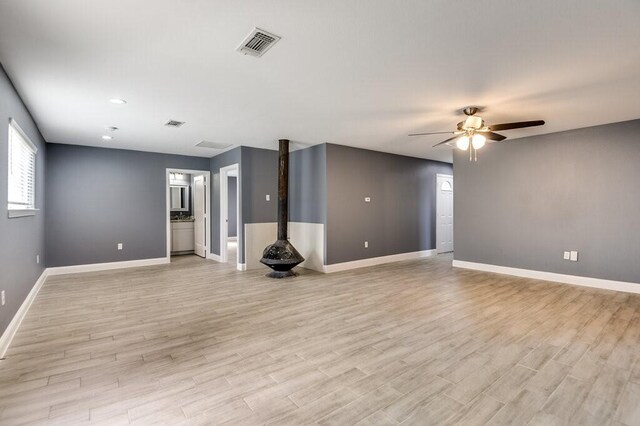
<point x="174" y="123"/>
<point x="257" y="42"/>
<point x="214" y="145"/>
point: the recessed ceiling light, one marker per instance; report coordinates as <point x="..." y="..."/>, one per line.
<point x="107" y="137"/>
<point x="117" y="101"/>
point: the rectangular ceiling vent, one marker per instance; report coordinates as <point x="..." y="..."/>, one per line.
<point x="257" y="42"/>
<point x="214" y="145"/>
<point x="174" y="123"/>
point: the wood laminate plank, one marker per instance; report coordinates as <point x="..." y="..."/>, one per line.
<point x="414" y="342"/>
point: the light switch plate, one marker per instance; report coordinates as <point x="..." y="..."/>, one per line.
<point x="119" y="246"/>
<point x="268" y="197"/>
<point x="367" y="199"/>
<point x="567" y="255"/>
<point x="574" y="256"/>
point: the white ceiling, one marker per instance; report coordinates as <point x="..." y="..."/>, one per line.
<point x="363" y="73"/>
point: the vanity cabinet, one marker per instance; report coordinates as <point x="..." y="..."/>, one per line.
<point x="182" y="237"/>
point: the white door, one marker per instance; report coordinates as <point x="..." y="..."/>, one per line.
<point x="200" y="215"/>
<point x="444" y="214"/>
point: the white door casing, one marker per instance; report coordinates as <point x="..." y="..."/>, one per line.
<point x="200" y="215"/>
<point x="444" y="213"/>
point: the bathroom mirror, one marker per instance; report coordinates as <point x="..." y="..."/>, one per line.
<point x="179" y="198"/>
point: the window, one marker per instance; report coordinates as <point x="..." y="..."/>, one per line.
<point x="446" y="186"/>
<point x="22" y="170"/>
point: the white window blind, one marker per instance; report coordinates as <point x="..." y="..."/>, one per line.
<point x="22" y="169"/>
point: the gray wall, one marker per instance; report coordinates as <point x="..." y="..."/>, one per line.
<point x="99" y="197"/>
<point x="527" y="200"/>
<point x="308" y="185"/>
<point x="401" y="215"/>
<point x="228" y="158"/>
<point x="232" y="211"/>
<point x="259" y="178"/>
<point x="21" y="239"/>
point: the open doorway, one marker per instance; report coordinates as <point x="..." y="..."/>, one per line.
<point x="444" y="213"/>
<point x="187" y="213"/>
<point x="230" y="214"/>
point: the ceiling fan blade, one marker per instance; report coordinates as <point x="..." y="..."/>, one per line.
<point x="432" y="133"/>
<point x="445" y="141"/>
<point x="493" y="136"/>
<point x="516" y="125"/>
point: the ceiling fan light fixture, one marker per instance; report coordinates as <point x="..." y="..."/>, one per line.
<point x="472" y="122"/>
<point x="463" y="143"/>
<point x="472" y="133"/>
<point x="478" y="141"/>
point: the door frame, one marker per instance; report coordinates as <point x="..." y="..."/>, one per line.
<point x="224" y="209"/>
<point x="207" y="206"/>
<point x="447" y="176"/>
<point x="196" y="178"/>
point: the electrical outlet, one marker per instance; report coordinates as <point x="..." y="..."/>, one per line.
<point x="119" y="246"/>
<point x="567" y="255"/>
<point x="367" y="199"/>
<point x="574" y="256"/>
<point x="2" y="300"/>
<point x="366" y="244"/>
<point x="268" y="197"/>
<point x="37" y="258"/>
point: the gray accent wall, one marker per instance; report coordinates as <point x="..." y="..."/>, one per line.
<point x="259" y="173"/>
<point x="308" y="185"/>
<point x="227" y="158"/>
<point x="259" y="178"/>
<point x="99" y="197"/>
<point x="526" y="201"/>
<point x="401" y="216"/>
<point x="21" y="239"/>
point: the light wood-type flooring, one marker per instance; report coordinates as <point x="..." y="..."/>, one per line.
<point x="415" y="342"/>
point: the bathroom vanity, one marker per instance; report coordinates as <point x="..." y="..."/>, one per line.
<point x="182" y="231"/>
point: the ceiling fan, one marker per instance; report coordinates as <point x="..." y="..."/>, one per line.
<point x="472" y="133"/>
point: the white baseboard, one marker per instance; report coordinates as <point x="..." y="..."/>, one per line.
<point x="12" y="328"/>
<point x="241" y="266"/>
<point x="94" y="267"/>
<point x="232" y="239"/>
<point x="337" y="267"/>
<point x="551" y="276"/>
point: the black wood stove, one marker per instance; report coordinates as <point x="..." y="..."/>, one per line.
<point x="282" y="256"/>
